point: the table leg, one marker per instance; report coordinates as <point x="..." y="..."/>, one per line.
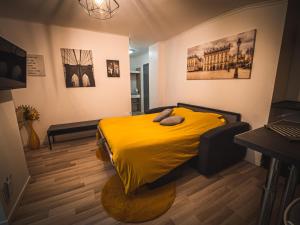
<point x="53" y="140"/>
<point x="289" y="192"/>
<point x="269" y="193"/>
<point x="49" y="141"/>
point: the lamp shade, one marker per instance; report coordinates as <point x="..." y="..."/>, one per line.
<point x="100" y="9"/>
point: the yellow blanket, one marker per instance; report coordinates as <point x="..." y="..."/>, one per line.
<point x="143" y="151"/>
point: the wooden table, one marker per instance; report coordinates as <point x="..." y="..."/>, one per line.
<point x="66" y="128"/>
<point x="280" y="149"/>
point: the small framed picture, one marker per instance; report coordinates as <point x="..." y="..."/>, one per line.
<point x="35" y="65"/>
<point x="113" y="68"/>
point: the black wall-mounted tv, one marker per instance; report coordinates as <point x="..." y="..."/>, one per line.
<point x="12" y="66"/>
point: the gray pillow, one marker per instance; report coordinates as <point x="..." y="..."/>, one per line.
<point x="163" y="114"/>
<point x="172" y="120"/>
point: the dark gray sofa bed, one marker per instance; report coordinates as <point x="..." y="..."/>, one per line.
<point x="217" y="149"/>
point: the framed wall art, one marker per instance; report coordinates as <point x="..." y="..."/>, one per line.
<point x="226" y="58"/>
<point x="78" y="68"/>
<point x="35" y="65"/>
<point x="113" y="68"/>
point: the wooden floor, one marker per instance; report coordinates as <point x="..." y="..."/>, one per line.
<point x="66" y="188"/>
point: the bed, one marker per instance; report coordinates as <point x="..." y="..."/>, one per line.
<point x="143" y="152"/>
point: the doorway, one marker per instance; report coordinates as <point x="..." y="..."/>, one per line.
<point x="146" y="86"/>
<point x="140" y="82"/>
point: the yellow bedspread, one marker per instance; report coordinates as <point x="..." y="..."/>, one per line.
<point x="143" y="151"/>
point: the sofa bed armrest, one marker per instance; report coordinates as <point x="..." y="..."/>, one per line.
<point x="217" y="149"/>
<point x="158" y="109"/>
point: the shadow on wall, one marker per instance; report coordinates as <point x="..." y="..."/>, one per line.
<point x="51" y="55"/>
<point x="50" y="37"/>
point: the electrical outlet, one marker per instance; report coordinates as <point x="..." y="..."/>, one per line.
<point x="7" y="189"/>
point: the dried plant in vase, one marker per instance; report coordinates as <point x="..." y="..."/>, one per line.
<point x="26" y="114"/>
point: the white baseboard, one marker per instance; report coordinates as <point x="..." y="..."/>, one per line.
<point x="17" y="202"/>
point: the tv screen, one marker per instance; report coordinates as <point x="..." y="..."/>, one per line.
<point x="12" y="66"/>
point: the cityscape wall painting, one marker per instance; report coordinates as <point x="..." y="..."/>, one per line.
<point x="78" y="67"/>
<point x="226" y="58"/>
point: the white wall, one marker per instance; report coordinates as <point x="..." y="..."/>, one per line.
<point x="137" y="61"/>
<point x="56" y="103"/>
<point x="12" y="159"/>
<point x="157" y="74"/>
<point x="251" y="97"/>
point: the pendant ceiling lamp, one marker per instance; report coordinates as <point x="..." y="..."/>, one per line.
<point x="100" y="9"/>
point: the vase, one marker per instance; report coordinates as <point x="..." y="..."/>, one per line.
<point x="33" y="138"/>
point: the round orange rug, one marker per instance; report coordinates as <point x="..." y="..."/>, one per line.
<point x="144" y="205"/>
<point x="102" y="155"/>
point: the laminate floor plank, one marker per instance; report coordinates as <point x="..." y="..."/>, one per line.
<point x="67" y="182"/>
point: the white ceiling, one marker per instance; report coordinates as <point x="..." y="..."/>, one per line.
<point x="144" y="21"/>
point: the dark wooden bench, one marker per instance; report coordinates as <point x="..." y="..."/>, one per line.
<point x="67" y="128"/>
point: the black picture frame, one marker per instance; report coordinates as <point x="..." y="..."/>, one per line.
<point x="113" y="68"/>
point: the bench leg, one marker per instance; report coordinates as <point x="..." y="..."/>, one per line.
<point x="49" y="141"/>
